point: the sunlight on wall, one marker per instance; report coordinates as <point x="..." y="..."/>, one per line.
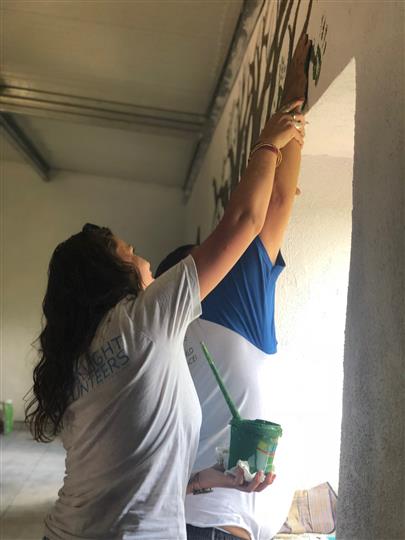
<point x="312" y="292"/>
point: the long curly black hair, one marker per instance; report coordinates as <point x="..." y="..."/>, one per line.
<point x="86" y="279"/>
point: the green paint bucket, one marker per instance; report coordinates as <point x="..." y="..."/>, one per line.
<point x="254" y="441"/>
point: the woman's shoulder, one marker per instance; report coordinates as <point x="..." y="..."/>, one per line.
<point x="127" y="317"/>
<point x="122" y="309"/>
<point x="126" y="306"/>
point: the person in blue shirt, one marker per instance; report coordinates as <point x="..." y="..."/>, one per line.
<point x="237" y="324"/>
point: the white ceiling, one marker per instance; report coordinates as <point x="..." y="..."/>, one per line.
<point x="156" y="53"/>
<point x="143" y="157"/>
<point x="165" y="56"/>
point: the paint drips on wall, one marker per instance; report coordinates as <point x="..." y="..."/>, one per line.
<point x="318" y="51"/>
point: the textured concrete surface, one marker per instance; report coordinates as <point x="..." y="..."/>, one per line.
<point x="372" y="490"/>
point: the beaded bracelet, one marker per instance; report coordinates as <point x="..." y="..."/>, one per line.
<point x="195" y="485"/>
<point x="268" y="146"/>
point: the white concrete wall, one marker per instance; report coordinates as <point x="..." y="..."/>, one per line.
<point x="312" y="291"/>
<point x="36" y="216"/>
<point x="310" y="314"/>
<point x="372" y="472"/>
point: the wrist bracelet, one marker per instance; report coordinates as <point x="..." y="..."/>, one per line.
<point x="195" y="486"/>
<point x="268" y="146"/>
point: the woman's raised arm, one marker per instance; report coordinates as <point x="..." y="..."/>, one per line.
<point x="246" y="211"/>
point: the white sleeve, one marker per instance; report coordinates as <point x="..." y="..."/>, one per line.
<point x="171" y="302"/>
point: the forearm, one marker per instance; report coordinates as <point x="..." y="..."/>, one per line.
<point x="282" y="200"/>
<point x="207" y="479"/>
<point x="252" y="195"/>
<point x="286" y="178"/>
<point x="296" y="84"/>
<point x="214" y="477"/>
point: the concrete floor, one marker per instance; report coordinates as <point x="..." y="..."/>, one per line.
<point x="31" y="475"/>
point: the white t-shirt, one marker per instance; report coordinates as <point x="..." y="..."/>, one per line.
<point x="131" y="434"/>
<point x="250" y="377"/>
<point x="238" y="327"/>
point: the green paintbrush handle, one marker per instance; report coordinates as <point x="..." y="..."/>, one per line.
<point x="220" y="382"/>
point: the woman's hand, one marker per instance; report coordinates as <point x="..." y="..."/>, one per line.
<point x="284" y="126"/>
<point x="296" y="81"/>
<point x="256" y="485"/>
<point x="214" y="478"/>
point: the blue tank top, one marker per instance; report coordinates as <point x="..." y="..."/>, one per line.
<point x="244" y="300"/>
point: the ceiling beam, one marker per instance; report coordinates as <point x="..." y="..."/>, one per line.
<point x="56" y="106"/>
<point x="24" y="146"/>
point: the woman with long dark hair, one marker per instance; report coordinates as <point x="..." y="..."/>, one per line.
<point x="113" y="380"/>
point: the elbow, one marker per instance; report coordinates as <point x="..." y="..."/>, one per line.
<point x="253" y="222"/>
<point x="258" y="224"/>
<point x="279" y="199"/>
